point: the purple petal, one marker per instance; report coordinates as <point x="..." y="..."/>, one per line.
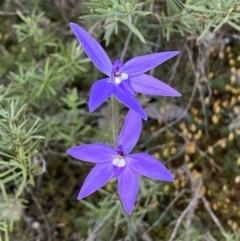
<point x="126" y="86"/>
<point x="117" y="171"/>
<point x="142" y="64"/>
<point x="95" y="153"/>
<point x="97" y="178"/>
<point x="93" y="49"/>
<point x="146" y="165"/>
<point x="100" y="91"/>
<point x="130" y="101"/>
<point x="128" y="185"/>
<point x="131" y="131"/>
<point x="149" y="85"/>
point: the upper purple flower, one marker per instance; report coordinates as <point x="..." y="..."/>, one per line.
<point x="119" y="163"/>
<point x="123" y="79"/>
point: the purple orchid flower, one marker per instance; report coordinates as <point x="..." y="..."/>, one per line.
<point x="123" y="79"/>
<point x="119" y="163"/>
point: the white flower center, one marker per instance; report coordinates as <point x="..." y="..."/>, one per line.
<point x="120" y="78"/>
<point x="119" y="162"/>
<point x="117" y="80"/>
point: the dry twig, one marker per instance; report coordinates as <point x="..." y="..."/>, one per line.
<point x="213" y="216"/>
<point x="191" y="206"/>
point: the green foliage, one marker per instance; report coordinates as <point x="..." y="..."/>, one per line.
<point x="115" y="11"/>
<point x="30" y="30"/>
<point x="210" y="16"/>
<point x="37" y="108"/>
<point x="19" y="141"/>
<point x="69" y="60"/>
<point x="175" y="17"/>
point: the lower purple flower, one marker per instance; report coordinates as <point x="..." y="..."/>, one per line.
<point x="119" y="163"/>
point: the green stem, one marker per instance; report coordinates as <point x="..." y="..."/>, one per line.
<point x="131" y="233"/>
<point x="114" y="120"/>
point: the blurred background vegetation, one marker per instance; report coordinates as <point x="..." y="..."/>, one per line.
<point x="45" y="79"/>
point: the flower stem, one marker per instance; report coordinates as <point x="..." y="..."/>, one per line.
<point x="114" y="119"/>
<point x="130" y="226"/>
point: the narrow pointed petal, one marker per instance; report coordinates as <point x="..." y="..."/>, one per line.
<point x="127" y="87"/>
<point x="130" y="101"/>
<point x="97" y="178"/>
<point x="93" y="49"/>
<point x="95" y="153"/>
<point x="100" y="92"/>
<point x="146" y="165"/>
<point x="142" y="64"/>
<point x="131" y="131"/>
<point x="149" y="85"/>
<point x="128" y="185"/>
